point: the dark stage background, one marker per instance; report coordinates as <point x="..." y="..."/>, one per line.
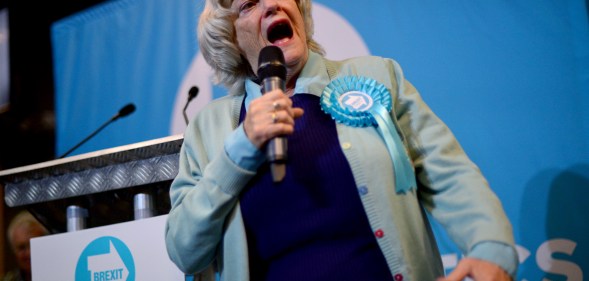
<point x="27" y="124"/>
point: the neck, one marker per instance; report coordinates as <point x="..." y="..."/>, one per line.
<point x="291" y="82"/>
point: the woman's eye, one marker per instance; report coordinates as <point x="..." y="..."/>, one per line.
<point x="246" y="6"/>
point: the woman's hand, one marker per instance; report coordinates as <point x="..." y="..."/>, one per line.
<point x="478" y="270"/>
<point x="269" y="116"/>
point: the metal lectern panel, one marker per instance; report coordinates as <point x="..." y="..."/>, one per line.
<point x="92" y="180"/>
<point x="106" y="175"/>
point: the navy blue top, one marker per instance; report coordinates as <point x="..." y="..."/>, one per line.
<point x="311" y="226"/>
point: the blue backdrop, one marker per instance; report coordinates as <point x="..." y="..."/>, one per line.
<point x="510" y="78"/>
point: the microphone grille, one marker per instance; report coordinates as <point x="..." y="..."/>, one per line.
<point x="193" y="92"/>
<point x="271" y="63"/>
<point x="126" y="110"/>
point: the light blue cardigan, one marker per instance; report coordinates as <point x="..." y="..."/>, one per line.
<point x="205" y="231"/>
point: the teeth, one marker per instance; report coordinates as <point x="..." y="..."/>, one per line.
<point x="279" y="31"/>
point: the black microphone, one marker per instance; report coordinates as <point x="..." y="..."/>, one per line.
<point x="126" y="110"/>
<point x="192" y="93"/>
<point x="272" y="74"/>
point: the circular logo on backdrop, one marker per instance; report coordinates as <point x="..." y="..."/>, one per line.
<point x="106" y="259"/>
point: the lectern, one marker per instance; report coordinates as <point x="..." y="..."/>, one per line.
<point x="106" y="211"/>
<point x="103" y="186"/>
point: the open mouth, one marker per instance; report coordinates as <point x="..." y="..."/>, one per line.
<point x="278" y="31"/>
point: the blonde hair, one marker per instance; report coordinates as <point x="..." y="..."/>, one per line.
<point x="218" y="44"/>
<point x="24" y="219"/>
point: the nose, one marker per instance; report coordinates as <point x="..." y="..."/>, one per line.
<point x="270" y="7"/>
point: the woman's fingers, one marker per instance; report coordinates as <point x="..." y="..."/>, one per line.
<point x="269" y="116"/>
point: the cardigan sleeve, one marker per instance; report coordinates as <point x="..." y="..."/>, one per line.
<point x="202" y="195"/>
<point x="451" y="187"/>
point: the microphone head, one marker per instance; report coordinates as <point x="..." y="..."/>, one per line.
<point x="126" y="110"/>
<point x="192" y="93"/>
<point x="271" y="63"/>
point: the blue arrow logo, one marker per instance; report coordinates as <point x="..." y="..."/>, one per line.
<point x="106" y="259"/>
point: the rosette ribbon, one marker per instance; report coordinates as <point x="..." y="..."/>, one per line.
<point x="362" y="102"/>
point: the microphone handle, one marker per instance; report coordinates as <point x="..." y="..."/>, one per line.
<point x="184" y="112"/>
<point x="89" y="136"/>
<point x="192" y="93"/>
<point x="277" y="147"/>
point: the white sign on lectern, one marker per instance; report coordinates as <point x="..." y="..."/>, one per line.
<point x="129" y="251"/>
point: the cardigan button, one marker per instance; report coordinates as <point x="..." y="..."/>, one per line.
<point x="346" y="145"/>
<point x="363" y="190"/>
<point x="398" y="277"/>
<point x="379" y="233"/>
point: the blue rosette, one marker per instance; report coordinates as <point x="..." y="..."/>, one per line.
<point x="348" y="100"/>
<point x="362" y="102"/>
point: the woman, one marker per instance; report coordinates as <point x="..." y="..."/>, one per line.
<point x="349" y="207"/>
<point x="22" y="228"/>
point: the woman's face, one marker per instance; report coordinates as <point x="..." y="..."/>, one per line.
<point x="261" y="23"/>
<point x="21" y="237"/>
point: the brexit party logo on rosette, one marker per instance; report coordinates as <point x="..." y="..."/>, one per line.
<point x="106" y="259"/>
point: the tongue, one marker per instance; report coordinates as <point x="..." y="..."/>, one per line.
<point x="279" y="32"/>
